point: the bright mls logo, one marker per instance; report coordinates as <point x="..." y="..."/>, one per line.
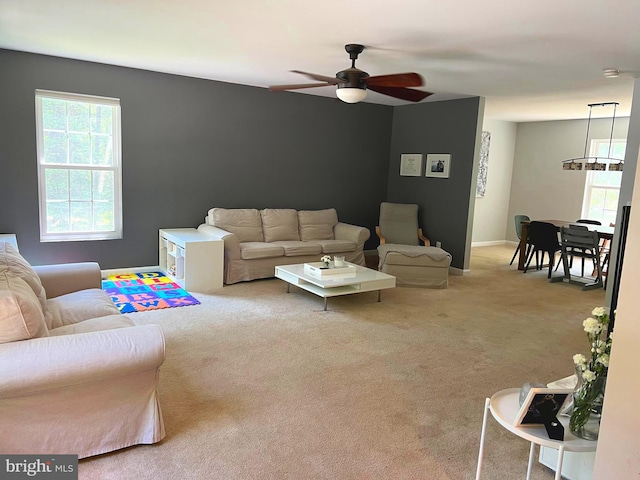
<point x="50" y="467"/>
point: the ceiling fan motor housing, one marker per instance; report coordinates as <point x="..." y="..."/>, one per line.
<point x="353" y="78"/>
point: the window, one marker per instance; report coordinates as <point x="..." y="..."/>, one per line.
<point x="602" y="188"/>
<point x="79" y="167"/>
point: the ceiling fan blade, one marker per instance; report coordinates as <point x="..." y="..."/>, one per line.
<point x="395" y="80"/>
<point x="278" y="88"/>
<point x="401" y="93"/>
<point x="321" y="78"/>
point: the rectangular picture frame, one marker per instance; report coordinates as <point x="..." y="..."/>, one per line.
<point x="548" y="400"/>
<point x="438" y="165"/>
<point x="411" y="164"/>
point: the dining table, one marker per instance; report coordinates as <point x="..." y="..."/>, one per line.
<point x="604" y="232"/>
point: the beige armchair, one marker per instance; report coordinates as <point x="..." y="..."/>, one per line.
<point x="77" y="377"/>
<point x="401" y="254"/>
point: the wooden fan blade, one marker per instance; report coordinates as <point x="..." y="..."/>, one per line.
<point x="402" y="93"/>
<point x="279" y="88"/>
<point x="395" y="80"/>
<point x="321" y="78"/>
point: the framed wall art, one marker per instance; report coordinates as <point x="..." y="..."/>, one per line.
<point x="481" y="186"/>
<point x="411" y="164"/>
<point x="438" y="165"/>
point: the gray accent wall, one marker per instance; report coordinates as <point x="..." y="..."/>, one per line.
<point x="192" y="144"/>
<point x="443" y="204"/>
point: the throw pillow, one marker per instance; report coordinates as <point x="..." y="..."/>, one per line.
<point x="13" y="262"/>
<point x="21" y="315"/>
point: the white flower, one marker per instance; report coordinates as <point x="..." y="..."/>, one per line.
<point x="603" y="359"/>
<point x="326" y="259"/>
<point x="591" y="325"/>
<point x="598" y="312"/>
<point x="579" y="359"/>
<point x="588" y="376"/>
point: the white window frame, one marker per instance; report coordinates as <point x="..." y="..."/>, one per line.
<point x="590" y="177"/>
<point x="116" y="168"/>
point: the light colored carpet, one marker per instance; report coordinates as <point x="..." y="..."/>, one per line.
<point x="261" y="384"/>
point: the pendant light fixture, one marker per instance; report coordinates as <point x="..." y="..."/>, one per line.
<point x="592" y="163"/>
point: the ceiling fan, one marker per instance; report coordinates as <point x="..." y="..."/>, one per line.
<point x="352" y="83"/>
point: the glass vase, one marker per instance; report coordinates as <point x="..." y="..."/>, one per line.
<point x="587" y="407"/>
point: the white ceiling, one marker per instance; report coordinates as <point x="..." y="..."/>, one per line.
<point x="535" y="60"/>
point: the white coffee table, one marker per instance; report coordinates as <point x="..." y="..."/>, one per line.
<point x="364" y="280"/>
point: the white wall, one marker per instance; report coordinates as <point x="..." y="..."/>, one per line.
<point x="491" y="211"/>
<point x="618" y="454"/>
<point x="539" y="186"/>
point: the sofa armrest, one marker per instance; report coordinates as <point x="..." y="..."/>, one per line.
<point x="47" y="363"/>
<point x="231" y="242"/>
<point x="345" y="231"/>
<point x="69" y="277"/>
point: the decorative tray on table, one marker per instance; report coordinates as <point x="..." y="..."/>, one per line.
<point x="318" y="269"/>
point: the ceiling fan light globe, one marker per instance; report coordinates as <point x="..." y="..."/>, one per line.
<point x="351" y="95"/>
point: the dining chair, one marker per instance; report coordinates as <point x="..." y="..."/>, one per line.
<point x="543" y="238"/>
<point x="518" y="219"/>
<point x="587" y="221"/>
<point x="578" y="241"/>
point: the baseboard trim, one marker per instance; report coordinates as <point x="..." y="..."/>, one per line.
<point x="459" y="272"/>
<point x="488" y="244"/>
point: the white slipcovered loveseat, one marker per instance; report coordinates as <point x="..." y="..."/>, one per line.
<point x="255" y="241"/>
<point x="76" y="376"/>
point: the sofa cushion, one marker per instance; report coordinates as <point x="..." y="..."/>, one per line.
<point x="250" y="250"/>
<point x="317" y="224"/>
<point x="21" y="315"/>
<point x="245" y="223"/>
<point x="94" y="325"/>
<point x="79" y="306"/>
<point x="279" y="224"/>
<point x="337" y="246"/>
<point x="12" y="261"/>
<point x="295" y="249"/>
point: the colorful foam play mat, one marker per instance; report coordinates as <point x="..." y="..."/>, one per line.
<point x="138" y="292"/>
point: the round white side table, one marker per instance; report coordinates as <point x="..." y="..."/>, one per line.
<point x="504" y="406"/>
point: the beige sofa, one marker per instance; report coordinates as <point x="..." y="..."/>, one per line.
<point x="76" y="376"/>
<point x="255" y="241"/>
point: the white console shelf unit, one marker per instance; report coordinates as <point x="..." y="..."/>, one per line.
<point x="192" y="259"/>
